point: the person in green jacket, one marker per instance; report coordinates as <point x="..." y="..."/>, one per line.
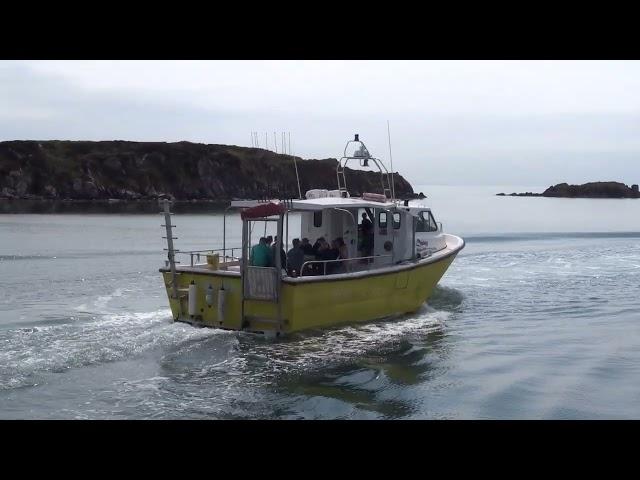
<point x="260" y="254"/>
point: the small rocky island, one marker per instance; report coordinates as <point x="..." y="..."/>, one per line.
<point x="120" y="171"/>
<point x="587" y="190"/>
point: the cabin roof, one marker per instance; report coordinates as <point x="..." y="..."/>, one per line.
<point x="332" y="202"/>
<point x="337" y="202"/>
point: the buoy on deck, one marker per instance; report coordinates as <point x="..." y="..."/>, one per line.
<point x="193" y="299"/>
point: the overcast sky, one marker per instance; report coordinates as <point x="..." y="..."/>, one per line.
<point x="452" y="122"/>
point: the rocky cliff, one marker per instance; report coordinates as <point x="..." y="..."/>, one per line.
<point x="122" y="170"/>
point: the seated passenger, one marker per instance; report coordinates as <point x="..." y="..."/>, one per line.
<point x="323" y="252"/>
<point x="317" y="245"/>
<point x="321" y="248"/>
<point x="343" y="254"/>
<point x="260" y="254"/>
<point x="295" y="259"/>
<point x="332" y="253"/>
<point x="343" y="251"/>
<point x="307" y="248"/>
<point x="335" y="249"/>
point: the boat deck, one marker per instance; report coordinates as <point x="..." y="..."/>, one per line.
<point x="232" y="269"/>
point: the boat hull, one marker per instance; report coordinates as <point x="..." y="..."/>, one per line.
<point x="309" y="302"/>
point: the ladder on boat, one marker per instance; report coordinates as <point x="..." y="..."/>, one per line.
<point x="386" y="186"/>
<point x="171" y="257"/>
<point x="342" y="180"/>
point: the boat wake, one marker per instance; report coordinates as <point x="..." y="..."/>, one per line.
<point x="226" y="374"/>
<point x="29" y="353"/>
<point x="253" y="360"/>
<point x="95" y="334"/>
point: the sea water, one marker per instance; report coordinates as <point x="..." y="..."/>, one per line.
<point x="538" y="317"/>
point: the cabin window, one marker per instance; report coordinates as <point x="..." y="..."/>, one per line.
<point x="426" y="223"/>
<point x="396" y="220"/>
<point x="382" y="220"/>
<point x="317" y="218"/>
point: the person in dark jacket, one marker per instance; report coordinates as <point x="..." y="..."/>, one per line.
<point x="295" y="259"/>
<point x="366" y="224"/>
<point x="318" y="244"/>
<point x="327" y="252"/>
<point x="366" y="229"/>
<point x="307" y="248"/>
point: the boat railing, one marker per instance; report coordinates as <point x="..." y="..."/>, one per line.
<point x="348" y="263"/>
<point x="226" y="254"/>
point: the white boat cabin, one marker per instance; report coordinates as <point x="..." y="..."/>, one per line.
<point x="411" y="229"/>
<point x="377" y="232"/>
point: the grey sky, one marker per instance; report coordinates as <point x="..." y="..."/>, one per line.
<point x="452" y="122"/>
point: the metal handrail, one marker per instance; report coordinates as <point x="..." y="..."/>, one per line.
<point x="324" y="262"/>
<point x="198" y="253"/>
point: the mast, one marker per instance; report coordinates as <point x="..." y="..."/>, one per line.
<point x="393" y="187"/>
<point x="295" y="164"/>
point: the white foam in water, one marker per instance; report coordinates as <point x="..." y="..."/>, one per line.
<point x="101" y="303"/>
<point x="112" y="337"/>
<point x="104" y="332"/>
<point x="331" y="347"/>
<point x="250" y="361"/>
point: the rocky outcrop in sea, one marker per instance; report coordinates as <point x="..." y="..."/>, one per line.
<point x="587" y="190"/>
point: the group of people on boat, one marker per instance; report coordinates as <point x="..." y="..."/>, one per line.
<point x="329" y="256"/>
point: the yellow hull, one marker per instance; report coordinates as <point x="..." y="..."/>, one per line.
<point x="310" y="302"/>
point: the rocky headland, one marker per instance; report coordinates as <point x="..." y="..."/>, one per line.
<point x="117" y="171"/>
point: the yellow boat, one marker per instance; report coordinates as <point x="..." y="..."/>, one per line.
<point x="386" y="265"/>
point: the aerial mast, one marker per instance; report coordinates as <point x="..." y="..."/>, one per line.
<point x="393" y="187"/>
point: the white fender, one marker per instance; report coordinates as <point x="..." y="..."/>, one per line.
<point x="209" y="296"/>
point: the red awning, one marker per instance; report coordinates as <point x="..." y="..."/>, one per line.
<point x="263" y="210"/>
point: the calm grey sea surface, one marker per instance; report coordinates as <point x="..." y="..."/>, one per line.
<point x="538" y="317"/>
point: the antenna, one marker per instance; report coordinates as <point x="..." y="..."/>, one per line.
<point x="393" y="187"/>
<point x="295" y="164"/>
<point x="275" y="143"/>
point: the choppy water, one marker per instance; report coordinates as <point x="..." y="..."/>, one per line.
<point x="539" y="317"/>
